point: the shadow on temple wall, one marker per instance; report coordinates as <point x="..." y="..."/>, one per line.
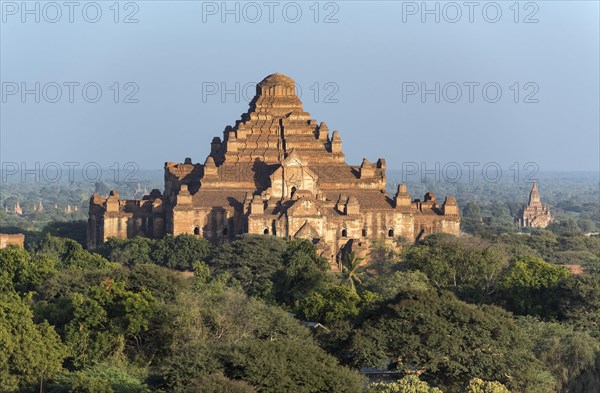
<point x="261" y="172"/>
<point x="218" y="228"/>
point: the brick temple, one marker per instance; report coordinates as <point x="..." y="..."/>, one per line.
<point x="276" y="172"/>
<point x="535" y="214"/>
<point x="6" y="240"/>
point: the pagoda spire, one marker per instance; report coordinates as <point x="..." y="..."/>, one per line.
<point x="276" y="95"/>
<point x="534" y="195"/>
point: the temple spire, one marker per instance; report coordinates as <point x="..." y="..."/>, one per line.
<point x="276" y="95"/>
<point x="534" y="195"/>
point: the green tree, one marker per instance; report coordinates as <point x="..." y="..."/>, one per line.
<point x="529" y="282"/>
<point x="571" y="355"/>
<point x="252" y="261"/>
<point x="289" y="366"/>
<point x="350" y="275"/>
<point x="70" y="253"/>
<point x="31" y="353"/>
<point x="477" y="385"/>
<point x="105" y="320"/>
<point x="72" y="229"/>
<point x="471" y="220"/>
<point x="22" y="271"/>
<point x="408" y="384"/>
<point x="564" y="227"/>
<point x="450" y="340"/>
<point x="500" y="220"/>
<point x="213" y="331"/>
<point x="100" y="378"/>
<point x="163" y="283"/>
<point x="129" y="251"/>
<point x="576" y="299"/>
<point x="336" y="303"/>
<point x="218" y="383"/>
<point x="387" y="286"/>
<point x="181" y="251"/>
<point x="303" y="272"/>
<point x="470" y="267"/>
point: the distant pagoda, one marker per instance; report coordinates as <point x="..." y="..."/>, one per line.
<point x="534" y="214"/>
<point x="18" y="209"/>
<point x="38" y="207"/>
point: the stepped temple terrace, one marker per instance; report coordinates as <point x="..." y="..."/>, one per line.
<point x="276" y="172"/>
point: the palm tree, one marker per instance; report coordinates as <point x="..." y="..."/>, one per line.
<point x="350" y="271"/>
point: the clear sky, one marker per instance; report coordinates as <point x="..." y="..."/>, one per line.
<point x="362" y="73"/>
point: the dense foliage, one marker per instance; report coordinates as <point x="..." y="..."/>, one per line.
<point x="180" y="315"/>
<point x="73" y="321"/>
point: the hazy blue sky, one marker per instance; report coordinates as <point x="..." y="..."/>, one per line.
<point x="368" y="61"/>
